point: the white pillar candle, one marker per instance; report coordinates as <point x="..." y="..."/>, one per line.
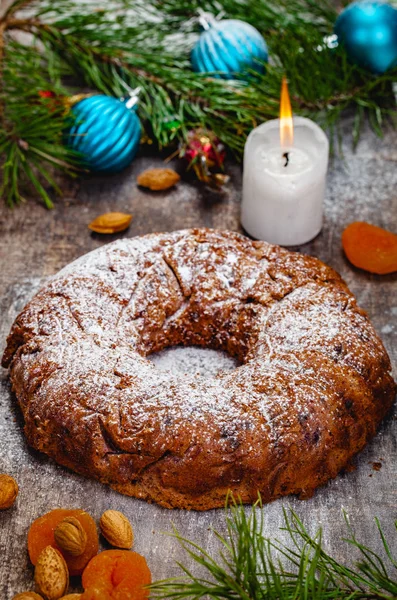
<point x="283" y="188"/>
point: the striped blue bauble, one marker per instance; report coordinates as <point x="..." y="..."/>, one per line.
<point x="229" y="49"/>
<point x="105" y="132"/>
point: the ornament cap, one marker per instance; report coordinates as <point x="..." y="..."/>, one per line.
<point x="132" y="99"/>
<point x="206" y="19"/>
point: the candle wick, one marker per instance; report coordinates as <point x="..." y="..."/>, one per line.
<point x="286" y="156"/>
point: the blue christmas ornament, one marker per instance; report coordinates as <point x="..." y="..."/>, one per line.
<point x="368" y="30"/>
<point x="229" y="47"/>
<point x="106" y="132"/>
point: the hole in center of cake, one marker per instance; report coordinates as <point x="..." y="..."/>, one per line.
<point x="193" y="360"/>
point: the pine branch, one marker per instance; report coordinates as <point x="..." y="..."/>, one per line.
<point x="252" y="566"/>
<point x="14" y="7"/>
<point x="146" y="43"/>
<point x="31" y="129"/>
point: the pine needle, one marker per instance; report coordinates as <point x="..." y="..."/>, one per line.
<point x="252" y="566"/>
<point x="147" y="43"/>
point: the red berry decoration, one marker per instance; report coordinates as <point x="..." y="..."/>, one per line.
<point x="46" y="94"/>
<point x="205" y="154"/>
<point x="52" y="100"/>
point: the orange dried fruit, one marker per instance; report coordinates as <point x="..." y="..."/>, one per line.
<point x="158" y="179"/>
<point x="370" y="248"/>
<point x="116" y="575"/>
<point x="112" y="222"/>
<point x="41" y="534"/>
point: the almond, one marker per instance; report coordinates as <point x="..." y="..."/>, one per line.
<point x="158" y="179"/>
<point x="117" y="529"/>
<point x="112" y="222"/>
<point x="71" y="536"/>
<point x="8" y="491"/>
<point x="72" y="597"/>
<point x="27" y="596"/>
<point x="51" y="574"/>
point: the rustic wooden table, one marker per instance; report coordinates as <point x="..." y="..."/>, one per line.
<point x="35" y="243"/>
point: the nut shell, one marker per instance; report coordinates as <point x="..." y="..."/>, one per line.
<point x="28" y="596"/>
<point x="51" y="574"/>
<point x="158" y="179"/>
<point x="8" y="491"/>
<point x="116" y="529"/>
<point x="71" y="536"/>
<point x="112" y="222"/>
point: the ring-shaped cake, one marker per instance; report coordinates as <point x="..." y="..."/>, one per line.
<point x="314" y="379"/>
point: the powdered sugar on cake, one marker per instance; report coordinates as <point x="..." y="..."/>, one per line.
<point x="276" y="355"/>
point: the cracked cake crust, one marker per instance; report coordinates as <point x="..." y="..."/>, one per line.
<point x="313" y="385"/>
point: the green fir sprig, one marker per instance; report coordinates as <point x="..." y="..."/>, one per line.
<point x="253" y="566"/>
<point x="68" y="47"/>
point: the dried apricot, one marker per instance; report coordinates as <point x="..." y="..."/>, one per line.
<point x="370" y="248"/>
<point x="41" y="534"/>
<point x="116" y="575"/>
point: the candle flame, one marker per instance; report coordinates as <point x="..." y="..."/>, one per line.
<point x="286" y="124"/>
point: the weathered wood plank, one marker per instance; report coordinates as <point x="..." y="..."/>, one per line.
<point x="35" y="243"/>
